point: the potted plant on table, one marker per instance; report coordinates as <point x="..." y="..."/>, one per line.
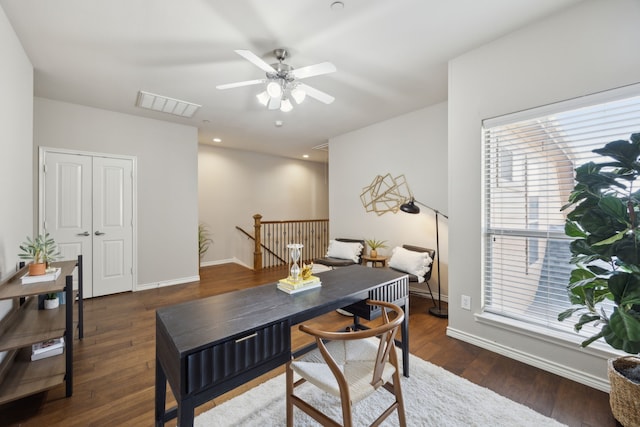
<point x="374" y="245"/>
<point x="40" y="251"/>
<point x="604" y="223"/>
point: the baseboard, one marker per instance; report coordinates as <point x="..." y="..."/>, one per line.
<point x="163" y="283"/>
<point x="154" y="285"/>
<point x="420" y="291"/>
<point x="216" y="262"/>
<point x="233" y="260"/>
<point x="544" y="364"/>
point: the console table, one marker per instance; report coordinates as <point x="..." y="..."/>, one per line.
<point x="209" y="346"/>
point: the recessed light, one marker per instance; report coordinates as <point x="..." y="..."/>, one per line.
<point x="278" y="123"/>
<point x="217" y="140"/>
<point x="306" y="156"/>
<point x="337" y="5"/>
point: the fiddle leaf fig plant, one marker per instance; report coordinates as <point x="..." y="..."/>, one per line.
<point x="603" y="221"/>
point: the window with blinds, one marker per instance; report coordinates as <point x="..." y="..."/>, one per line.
<point x="529" y="163"/>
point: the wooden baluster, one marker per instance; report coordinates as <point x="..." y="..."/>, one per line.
<point x="257" y="251"/>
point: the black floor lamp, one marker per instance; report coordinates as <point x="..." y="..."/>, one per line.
<point x="411" y="208"/>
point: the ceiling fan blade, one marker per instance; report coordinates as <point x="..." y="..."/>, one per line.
<point x="240" y="84"/>
<point x="256" y="60"/>
<point x="274" y="103"/>
<point x="317" y="94"/>
<point x="313" y="70"/>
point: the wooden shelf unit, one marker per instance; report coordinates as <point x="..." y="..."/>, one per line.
<point x="26" y="325"/>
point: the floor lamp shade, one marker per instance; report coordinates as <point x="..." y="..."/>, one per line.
<point x="410" y="207"/>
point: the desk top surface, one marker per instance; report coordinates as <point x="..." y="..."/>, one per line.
<point x="195" y="324"/>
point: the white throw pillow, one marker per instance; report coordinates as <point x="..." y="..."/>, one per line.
<point x="344" y="250"/>
<point x="412" y="262"/>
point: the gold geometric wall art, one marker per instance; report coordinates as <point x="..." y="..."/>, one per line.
<point x="385" y="194"/>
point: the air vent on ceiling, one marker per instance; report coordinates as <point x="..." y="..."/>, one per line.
<point x="165" y="104"/>
<point x="322" y="147"/>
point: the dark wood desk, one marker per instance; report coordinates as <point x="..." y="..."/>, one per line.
<point x="209" y="346"/>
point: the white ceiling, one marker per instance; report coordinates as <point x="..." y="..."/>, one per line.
<point x="391" y="57"/>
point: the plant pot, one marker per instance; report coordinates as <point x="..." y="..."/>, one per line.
<point x="624" y="397"/>
<point x="373" y="253"/>
<point x="51" y="303"/>
<point x="37" y="269"/>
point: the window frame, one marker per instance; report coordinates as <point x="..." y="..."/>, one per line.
<point x="497" y="319"/>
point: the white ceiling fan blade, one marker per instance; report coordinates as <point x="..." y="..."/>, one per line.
<point x="274" y="103"/>
<point x="313" y="70"/>
<point x="256" y="60"/>
<point x="317" y="94"/>
<point x="240" y="84"/>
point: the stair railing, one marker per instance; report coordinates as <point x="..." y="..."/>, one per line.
<point x="272" y="237"/>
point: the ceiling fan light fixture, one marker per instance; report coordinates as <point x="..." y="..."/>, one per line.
<point x="263" y="98"/>
<point x="274" y="89"/>
<point x="298" y="95"/>
<point x="286" y="105"/>
<point x="281" y="84"/>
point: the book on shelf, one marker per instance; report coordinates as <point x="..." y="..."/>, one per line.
<point x="300" y="283"/>
<point x="45" y="346"/>
<point x="50" y="353"/>
<point x="291" y="290"/>
<point x="47" y="277"/>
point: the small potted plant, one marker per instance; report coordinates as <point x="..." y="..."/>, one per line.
<point x="604" y="288"/>
<point x="374" y="245"/>
<point x="51" y="301"/>
<point x="40" y="251"/>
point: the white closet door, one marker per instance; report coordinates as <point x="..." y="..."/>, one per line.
<point x="67" y="208"/>
<point x="88" y="209"/>
<point x="112" y="224"/>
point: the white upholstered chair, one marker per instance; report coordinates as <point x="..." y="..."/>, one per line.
<point x="350" y="366"/>
<point x="413" y="278"/>
<point x="344" y="257"/>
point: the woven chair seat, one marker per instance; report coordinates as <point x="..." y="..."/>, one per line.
<point x="354" y="358"/>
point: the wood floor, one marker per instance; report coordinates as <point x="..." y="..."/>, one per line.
<point x="115" y="363"/>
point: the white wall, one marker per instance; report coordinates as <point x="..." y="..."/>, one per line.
<point x="167" y="179"/>
<point x="235" y="185"/>
<point x="16" y="134"/>
<point x="413" y="145"/>
<point x="16" y="150"/>
<point x="588" y="48"/>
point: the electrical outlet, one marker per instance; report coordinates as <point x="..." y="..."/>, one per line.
<point x="465" y="302"/>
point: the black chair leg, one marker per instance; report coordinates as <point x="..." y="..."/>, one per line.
<point x="431" y="293"/>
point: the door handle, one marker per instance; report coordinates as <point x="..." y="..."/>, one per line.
<point x="99" y="233"/>
<point x="86" y="233"/>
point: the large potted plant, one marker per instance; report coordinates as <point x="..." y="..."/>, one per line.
<point x="604" y="222"/>
<point x="204" y="241"/>
<point x="40" y="251"/>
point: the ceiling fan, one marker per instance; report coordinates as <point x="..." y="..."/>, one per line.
<point x="282" y="81"/>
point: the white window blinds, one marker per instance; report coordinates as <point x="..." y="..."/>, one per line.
<point x="529" y="163"/>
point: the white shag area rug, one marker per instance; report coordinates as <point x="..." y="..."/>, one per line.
<point x="432" y="395"/>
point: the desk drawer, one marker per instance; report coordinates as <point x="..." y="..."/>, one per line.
<point x="226" y="360"/>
